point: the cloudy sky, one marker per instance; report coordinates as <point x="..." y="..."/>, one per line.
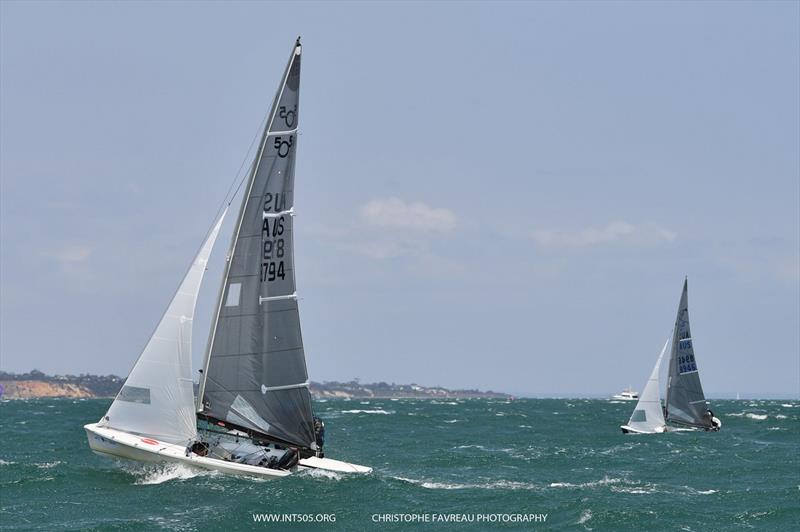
<point x="501" y="196"/>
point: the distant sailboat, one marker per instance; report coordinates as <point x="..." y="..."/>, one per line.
<point x="253" y="415"/>
<point x="686" y="404"/>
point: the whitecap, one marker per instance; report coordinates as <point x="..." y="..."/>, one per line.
<point x="161" y="473"/>
<point x="757" y="417"/>
<point x="604" y="481"/>
<point x="48" y="465"/>
<point x="322" y="473"/>
<point x="585" y="516"/>
<point x="780" y="416"/>
<point x="4" y="462"/>
<point x="377" y="411"/>
<point x="497" y="484"/>
<point x="452" y="420"/>
<point x="787" y="405"/>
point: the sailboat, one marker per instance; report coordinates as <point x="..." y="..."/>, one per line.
<point x="253" y="413"/>
<point x="648" y="416"/>
<point x="686" y="405"/>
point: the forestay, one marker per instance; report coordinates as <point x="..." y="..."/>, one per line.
<point x="686" y="403"/>
<point x="157" y="399"/>
<point x="648" y="415"/>
<point x="255" y="376"/>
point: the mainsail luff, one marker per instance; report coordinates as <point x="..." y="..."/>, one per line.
<point x="255" y="375"/>
<point x="685" y="402"/>
<point x="157" y="399"/>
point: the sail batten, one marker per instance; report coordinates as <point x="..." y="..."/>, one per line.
<point x="255" y="356"/>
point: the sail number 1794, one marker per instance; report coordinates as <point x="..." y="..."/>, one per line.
<point x="273" y="249"/>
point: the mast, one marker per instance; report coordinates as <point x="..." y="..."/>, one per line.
<point x="232" y="248"/>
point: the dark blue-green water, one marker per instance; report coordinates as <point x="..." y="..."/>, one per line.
<point x="563" y="458"/>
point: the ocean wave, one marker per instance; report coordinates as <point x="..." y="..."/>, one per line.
<point x="321" y="474"/>
<point x="493" y="485"/>
<point x="780" y="416"/>
<point x="787" y="405"/>
<point x="452" y="420"/>
<point x="5" y="462"/>
<point x="158" y="474"/>
<point x="751" y="415"/>
<point x="605" y="481"/>
<point x="48" y="465"/>
<point x="585" y="516"/>
<point x="694" y="491"/>
<point x="376" y="411"/>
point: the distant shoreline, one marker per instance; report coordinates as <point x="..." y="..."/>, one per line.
<point x="37" y="384"/>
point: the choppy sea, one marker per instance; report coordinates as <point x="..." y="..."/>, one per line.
<point x="487" y="463"/>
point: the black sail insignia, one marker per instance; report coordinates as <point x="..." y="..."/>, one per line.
<point x="256" y="377"/>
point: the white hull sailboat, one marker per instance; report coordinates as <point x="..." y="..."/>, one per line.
<point x="686" y="406"/>
<point x="253" y="413"/>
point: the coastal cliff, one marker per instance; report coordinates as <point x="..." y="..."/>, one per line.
<point x="35" y="389"/>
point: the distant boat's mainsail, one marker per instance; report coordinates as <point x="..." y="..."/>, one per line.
<point x="686" y="403"/>
<point x="157" y="399"/>
<point x="648" y="415"/>
<point x="255" y="376"/>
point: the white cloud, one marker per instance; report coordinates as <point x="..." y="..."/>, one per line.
<point x="394" y="213"/>
<point x="613" y="232"/>
<point x="72" y="254"/>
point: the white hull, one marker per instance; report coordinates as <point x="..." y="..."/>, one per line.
<point x="111" y="442"/>
<point x="627" y="429"/>
<point x="332" y="465"/>
<point x="106" y="441"/>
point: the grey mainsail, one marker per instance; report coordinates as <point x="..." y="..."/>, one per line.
<point x="255" y="375"/>
<point x="686" y="403"/>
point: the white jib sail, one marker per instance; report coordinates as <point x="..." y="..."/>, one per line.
<point x="648" y="415"/>
<point x="157" y="399"/>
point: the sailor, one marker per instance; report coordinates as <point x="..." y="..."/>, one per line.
<point x="319" y="435"/>
<point x="716" y="424"/>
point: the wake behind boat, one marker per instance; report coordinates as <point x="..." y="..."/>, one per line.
<point x="686" y="405"/>
<point x="254" y="414"/>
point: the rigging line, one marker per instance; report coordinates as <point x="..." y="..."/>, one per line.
<point x="238" y="177"/>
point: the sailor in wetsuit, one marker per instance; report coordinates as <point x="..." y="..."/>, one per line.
<point x="716" y="424"/>
<point x="319" y="435"/>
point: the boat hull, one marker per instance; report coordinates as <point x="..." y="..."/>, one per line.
<point x="111" y="442"/>
<point x="332" y="465"/>
<point x="626" y="429"/>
